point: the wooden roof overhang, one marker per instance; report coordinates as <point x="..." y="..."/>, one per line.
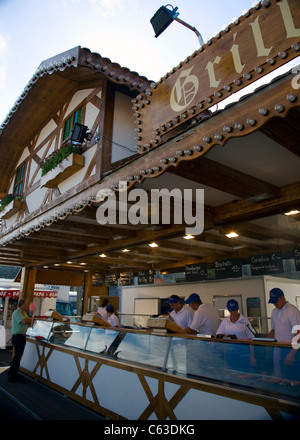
<point x="71" y="237"/>
<point x="55" y="80"/>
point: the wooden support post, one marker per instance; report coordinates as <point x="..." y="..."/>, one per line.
<point x="106" y="130"/>
<point x="87" y="291"/>
<point x="28" y="278"/>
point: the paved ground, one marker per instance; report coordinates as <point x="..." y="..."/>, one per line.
<point x="28" y="399"/>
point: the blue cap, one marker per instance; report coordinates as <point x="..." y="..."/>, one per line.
<point x="110" y="308"/>
<point x="194" y="297"/>
<point x="173" y="299"/>
<point x="232" y="304"/>
<point x="275" y="294"/>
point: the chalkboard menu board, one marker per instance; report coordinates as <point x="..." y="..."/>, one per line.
<point x="196" y="272"/>
<point x="267" y="264"/>
<point x="126" y="279"/>
<point x="228" y="268"/>
<point x="146" y="276"/>
<point x="111" y="279"/>
<point x="97" y="279"/>
<point x="297" y="258"/>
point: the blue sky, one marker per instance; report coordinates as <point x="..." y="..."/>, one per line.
<point x="34" y="30"/>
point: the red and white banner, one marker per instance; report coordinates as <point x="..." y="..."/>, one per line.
<point x="14" y="293"/>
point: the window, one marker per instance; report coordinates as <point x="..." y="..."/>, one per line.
<point x="253" y="307"/>
<point x="76" y="116"/>
<point x="19" y="179"/>
<point x="254" y="311"/>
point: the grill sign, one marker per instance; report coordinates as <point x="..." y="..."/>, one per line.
<point x="266" y="37"/>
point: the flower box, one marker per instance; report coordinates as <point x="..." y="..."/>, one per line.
<point x="69" y="166"/>
<point x="12" y="208"/>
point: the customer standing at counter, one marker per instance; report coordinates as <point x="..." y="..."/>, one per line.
<point x="182" y="315"/>
<point x="20" y="323"/>
<point x="283" y="318"/>
<point x="206" y="319"/>
<point x="235" y="324"/>
<point x="112" y="319"/>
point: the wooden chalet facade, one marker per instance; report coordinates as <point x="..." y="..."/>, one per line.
<point x="246" y="156"/>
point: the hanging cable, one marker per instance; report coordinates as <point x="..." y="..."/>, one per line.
<point x="113" y="142"/>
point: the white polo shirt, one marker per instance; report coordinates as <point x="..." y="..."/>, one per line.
<point x="183" y="317"/>
<point x="206" y="320"/>
<point x="240" y="328"/>
<point x="113" y="320"/>
<point x="283" y="320"/>
<point x="103" y="313"/>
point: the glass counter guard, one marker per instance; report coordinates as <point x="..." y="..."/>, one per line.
<point x="268" y="369"/>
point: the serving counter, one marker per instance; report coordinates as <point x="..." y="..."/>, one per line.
<point x="136" y="374"/>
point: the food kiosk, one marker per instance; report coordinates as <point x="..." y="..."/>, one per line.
<point x="163" y="375"/>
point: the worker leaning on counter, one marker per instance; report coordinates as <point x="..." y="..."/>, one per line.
<point x="236" y="324"/>
<point x="284" y="317"/>
<point x="20" y="323"/>
<point x="205" y="320"/>
<point x="182" y="315"/>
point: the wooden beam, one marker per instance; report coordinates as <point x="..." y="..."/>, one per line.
<point x="216" y="175"/>
<point x="106" y="128"/>
<point x="285" y="132"/>
<point x="84" y="229"/>
<point x="87" y="291"/>
<point x="244" y="210"/>
<point x="256" y="232"/>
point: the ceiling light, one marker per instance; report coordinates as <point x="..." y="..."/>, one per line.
<point x="232" y="235"/>
<point x="188" y="237"/>
<point x="82" y="264"/>
<point x="125" y="250"/>
<point x="102" y="255"/>
<point x="294" y="212"/>
<point x="153" y="245"/>
<point x="260" y="197"/>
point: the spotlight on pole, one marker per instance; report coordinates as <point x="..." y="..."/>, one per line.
<point x="164" y="16"/>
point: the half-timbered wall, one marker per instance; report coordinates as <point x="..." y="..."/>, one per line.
<point x="50" y="138"/>
<point x="123" y="128"/>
